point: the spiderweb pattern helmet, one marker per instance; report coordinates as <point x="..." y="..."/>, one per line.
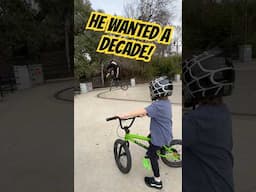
<point x="206" y="76"/>
<point x="160" y="87"/>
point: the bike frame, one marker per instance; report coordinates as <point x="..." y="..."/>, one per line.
<point x="114" y="83"/>
<point x="135" y="137"/>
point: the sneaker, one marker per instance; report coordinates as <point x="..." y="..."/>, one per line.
<point x="151" y="182"/>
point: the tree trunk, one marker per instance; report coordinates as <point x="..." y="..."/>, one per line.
<point x="102" y="72"/>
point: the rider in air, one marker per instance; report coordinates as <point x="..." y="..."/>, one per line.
<point x="113" y="70"/>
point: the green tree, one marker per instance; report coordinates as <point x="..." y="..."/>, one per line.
<point x="88" y="62"/>
<point x="226" y="24"/>
<point x="57" y="18"/>
<point x="19" y="28"/>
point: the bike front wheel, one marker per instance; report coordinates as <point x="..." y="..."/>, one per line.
<point x="111" y="84"/>
<point x="124" y="86"/>
<point x="172" y="155"/>
<point x="122" y="156"/>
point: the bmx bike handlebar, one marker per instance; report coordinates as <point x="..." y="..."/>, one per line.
<point x="116" y="117"/>
<point x="121" y="120"/>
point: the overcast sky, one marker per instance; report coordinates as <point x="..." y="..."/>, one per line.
<point x="117" y="6"/>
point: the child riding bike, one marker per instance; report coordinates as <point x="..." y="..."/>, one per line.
<point x="160" y="112"/>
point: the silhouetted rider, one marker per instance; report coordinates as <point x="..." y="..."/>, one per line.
<point x="113" y="69"/>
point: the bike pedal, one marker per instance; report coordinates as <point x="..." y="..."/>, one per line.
<point x="146" y="163"/>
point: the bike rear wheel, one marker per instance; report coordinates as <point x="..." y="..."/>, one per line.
<point x="122" y="156"/>
<point x="172" y="155"/>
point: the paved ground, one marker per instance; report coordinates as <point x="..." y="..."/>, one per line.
<point x="95" y="168"/>
<point x="242" y="104"/>
<point x="36" y="134"/>
<point x="140" y="93"/>
<point x="36" y="137"/>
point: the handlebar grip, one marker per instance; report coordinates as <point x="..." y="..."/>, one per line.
<point x="112" y="118"/>
<point x="130" y="118"/>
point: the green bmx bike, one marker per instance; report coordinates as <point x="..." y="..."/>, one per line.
<point x="171" y="155"/>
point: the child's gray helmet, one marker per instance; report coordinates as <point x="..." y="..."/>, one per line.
<point x="206" y="76"/>
<point x="160" y="87"/>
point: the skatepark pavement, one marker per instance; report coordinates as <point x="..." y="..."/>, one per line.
<point x="36" y="139"/>
<point x="95" y="168"/>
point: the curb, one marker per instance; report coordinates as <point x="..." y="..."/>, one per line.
<point x="99" y="95"/>
<point x="58" y="97"/>
<point x="59" y="80"/>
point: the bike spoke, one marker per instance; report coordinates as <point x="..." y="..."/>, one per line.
<point x="120" y="150"/>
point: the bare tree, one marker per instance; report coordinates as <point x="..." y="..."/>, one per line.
<point x="159" y="11"/>
<point x="131" y="9"/>
<point x="177" y="38"/>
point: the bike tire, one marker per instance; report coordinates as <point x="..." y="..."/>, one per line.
<point x="121" y="150"/>
<point x="124" y="86"/>
<point x="111" y="85"/>
<point x="170" y="162"/>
